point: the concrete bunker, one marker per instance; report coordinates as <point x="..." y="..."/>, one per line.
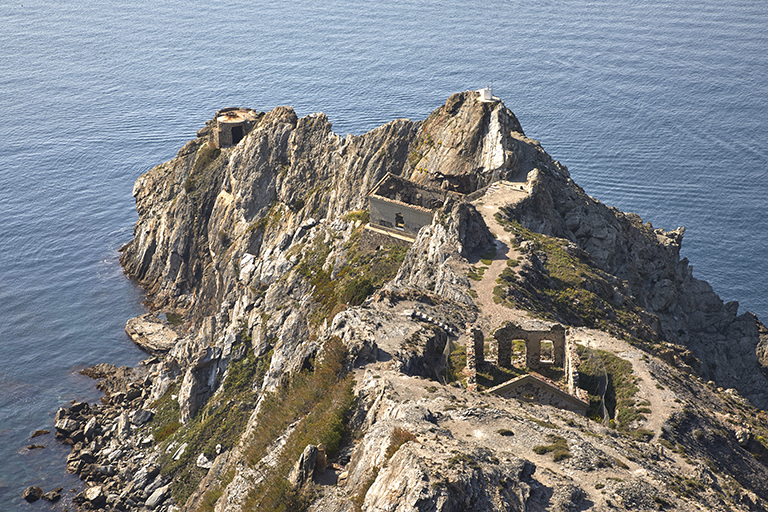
<point x="232" y="125"/>
<point x="400" y="206"/>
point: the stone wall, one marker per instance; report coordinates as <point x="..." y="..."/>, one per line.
<point x="384" y="213"/>
<point x="232" y="125"/>
<point x="510" y="331"/>
<point x="571" y="366"/>
<point x="405" y="191"/>
<point x="541" y="390"/>
<point x="531" y="388"/>
<point x="475" y="346"/>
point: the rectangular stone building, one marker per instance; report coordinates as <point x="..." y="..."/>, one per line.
<point x="400" y="205"/>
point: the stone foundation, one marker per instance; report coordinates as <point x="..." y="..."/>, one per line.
<point x="538" y="388"/>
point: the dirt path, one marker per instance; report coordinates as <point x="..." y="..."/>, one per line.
<point x="662" y="401"/>
<point x="492" y="315"/>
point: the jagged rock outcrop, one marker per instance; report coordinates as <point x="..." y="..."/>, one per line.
<point x="647" y="262"/>
<point x="258" y="254"/>
<point x="437" y="260"/>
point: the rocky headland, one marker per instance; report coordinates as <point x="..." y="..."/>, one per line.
<point x="301" y="361"/>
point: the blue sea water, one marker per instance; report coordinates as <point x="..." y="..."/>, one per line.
<point x="658" y="107"/>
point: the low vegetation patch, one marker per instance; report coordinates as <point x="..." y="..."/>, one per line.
<point x="476" y="273"/>
<point x="219" y="422"/>
<point x="364" y="216"/>
<point x="398" y="438"/>
<point x="570" y="289"/>
<point x="368" y="266"/>
<point x="320" y="401"/>
<point x="465" y="459"/>
<point x="558" y="448"/>
<point x="456" y="364"/>
<point x="542" y="423"/>
<point x="620" y="391"/>
<point x="487" y="258"/>
<point x="493" y="375"/>
<point x="198" y="177"/>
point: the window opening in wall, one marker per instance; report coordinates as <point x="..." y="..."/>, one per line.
<point x="547" y="351"/>
<point x="399" y="222"/>
<point x="237" y="134"/>
<point x="518" y="348"/>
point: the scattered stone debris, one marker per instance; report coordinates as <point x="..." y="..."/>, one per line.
<point x="105" y="452"/>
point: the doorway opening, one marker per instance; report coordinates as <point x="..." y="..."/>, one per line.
<point x="237" y="134"/>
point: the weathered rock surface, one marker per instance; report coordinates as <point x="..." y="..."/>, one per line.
<point x="248" y="246"/>
<point x="53" y="496"/>
<point x="32" y="493"/>
<point x="151" y="334"/>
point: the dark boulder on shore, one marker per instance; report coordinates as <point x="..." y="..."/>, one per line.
<point x="53" y="496"/>
<point x="32" y="494"/>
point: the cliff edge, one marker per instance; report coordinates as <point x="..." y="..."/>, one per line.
<point x="313" y="361"/>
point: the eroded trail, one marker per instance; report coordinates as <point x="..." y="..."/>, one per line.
<point x="492" y="314"/>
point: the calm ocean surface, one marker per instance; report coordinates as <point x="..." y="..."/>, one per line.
<point x="657" y="107"/>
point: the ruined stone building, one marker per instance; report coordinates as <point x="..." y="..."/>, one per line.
<point x="402" y="206"/>
<point x="232" y="125"/>
<point x="532" y="387"/>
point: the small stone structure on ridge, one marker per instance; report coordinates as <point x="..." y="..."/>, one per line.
<point x="486" y="95"/>
<point x="232" y="125"/>
<point x="401" y="207"/>
<point x="532" y="387"/>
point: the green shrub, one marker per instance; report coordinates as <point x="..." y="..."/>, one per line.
<point x="357" y="290"/>
<point x="174" y="318"/>
<point x="464" y="458"/>
<point x="559" y="448"/>
<point x="398" y="438"/>
<point x="224" y="239"/>
<point x="162" y="433"/>
<point x="364" y="216"/>
<point x="476" y="273"/>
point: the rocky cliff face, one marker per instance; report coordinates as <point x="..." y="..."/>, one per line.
<point x="258" y="256"/>
<point x="647" y="263"/>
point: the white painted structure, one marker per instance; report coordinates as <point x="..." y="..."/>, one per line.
<point x="486" y="95"/>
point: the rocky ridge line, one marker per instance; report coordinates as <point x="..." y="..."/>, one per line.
<point x="224" y="240"/>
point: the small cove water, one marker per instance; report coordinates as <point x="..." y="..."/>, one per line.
<point x="658" y="108"/>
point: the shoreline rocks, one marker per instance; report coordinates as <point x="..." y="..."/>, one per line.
<point x="109" y="444"/>
<point x="151" y="334"/>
